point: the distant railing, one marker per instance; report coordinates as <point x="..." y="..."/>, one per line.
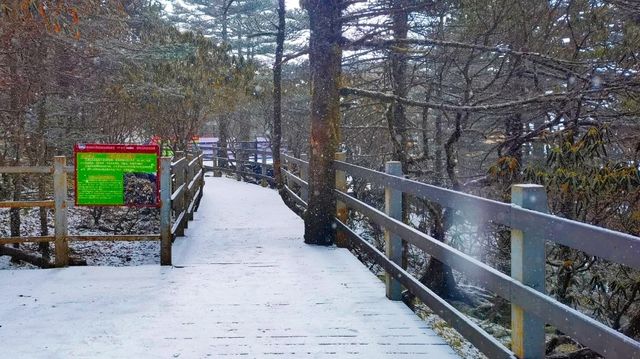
<point x="246" y="159"/>
<point x="530" y="228"/>
<point x="181" y="184"/>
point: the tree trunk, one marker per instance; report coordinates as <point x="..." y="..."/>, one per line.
<point x="222" y="149"/>
<point x="438" y="276"/>
<point x="276" y="140"/>
<point x="397" y="116"/>
<point x="425" y="127"/>
<point x="42" y="180"/>
<point x="325" y="56"/>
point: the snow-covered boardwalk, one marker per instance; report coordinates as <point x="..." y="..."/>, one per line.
<point x="243" y="285"/>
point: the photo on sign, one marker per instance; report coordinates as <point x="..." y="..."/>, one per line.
<point x="140" y="188"/>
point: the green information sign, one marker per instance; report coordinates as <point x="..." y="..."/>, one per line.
<point x="117" y="175"/>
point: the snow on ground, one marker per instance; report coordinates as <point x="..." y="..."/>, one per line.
<point x="113" y="220"/>
<point x="234" y="291"/>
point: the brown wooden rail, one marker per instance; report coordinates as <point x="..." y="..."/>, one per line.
<point x="181" y="185"/>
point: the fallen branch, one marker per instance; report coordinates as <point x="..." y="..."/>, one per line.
<point x="18" y="255"/>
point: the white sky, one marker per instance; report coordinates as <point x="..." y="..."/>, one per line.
<point x="292" y="4"/>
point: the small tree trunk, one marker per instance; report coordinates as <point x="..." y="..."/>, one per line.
<point x="276" y="141"/>
<point x="325" y="57"/>
<point x="438" y="276"/>
<point x="14" y="213"/>
<point x="44" y="225"/>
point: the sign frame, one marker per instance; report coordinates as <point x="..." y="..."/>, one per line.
<point x="117" y="149"/>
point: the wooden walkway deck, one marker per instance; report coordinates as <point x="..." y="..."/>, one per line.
<point x="243" y="285"/>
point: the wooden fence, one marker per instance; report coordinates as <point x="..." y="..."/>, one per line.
<point x="244" y="161"/>
<point x="181" y="185"/>
<point x="531" y="226"/>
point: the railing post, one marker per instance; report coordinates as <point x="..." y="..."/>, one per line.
<point x="304" y="174"/>
<point x="341" y="207"/>
<point x="201" y="181"/>
<point x="189" y="192"/>
<point x="528" y="267"/>
<point x="255" y="148"/>
<point x="60" y="205"/>
<point x="284" y="166"/>
<point x="393" y="242"/>
<point x="263" y="159"/>
<point x="178" y="204"/>
<point x="165" y="211"/>
<point x="239" y="165"/>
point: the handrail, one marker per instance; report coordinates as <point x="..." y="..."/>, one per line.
<point x="169" y="171"/>
<point x="194" y="161"/>
<point x="585" y="329"/>
<point x="471" y="331"/>
<point x="178" y="192"/>
<point x="621" y="247"/>
<point x="27" y="239"/>
<point x="178" y="162"/>
<point x="26" y="204"/>
<point x="297" y="161"/>
<point x="194" y="180"/>
<point x="25" y="170"/>
<point x="295" y="178"/>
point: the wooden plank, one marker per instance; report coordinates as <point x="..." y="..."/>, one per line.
<point x="26" y="239"/>
<point x="25" y="170"/>
<point x="178" y="162"/>
<point x="304" y="175"/>
<point x="296" y="179"/>
<point x="115" y="238"/>
<point x="528" y="267"/>
<point x="27" y="204"/>
<point x="165" y="211"/>
<point x="393" y="242"/>
<point x="180" y="203"/>
<point x="60" y="216"/>
<point x="195" y="180"/>
<point x="251" y="174"/>
<point x="194" y="162"/>
<point x="190" y="180"/>
<point x="341" y="208"/>
<point x="178" y="223"/>
<point x="177" y="193"/>
<point x="297" y="161"/>
<point x="295" y="197"/>
<point x="196" y="198"/>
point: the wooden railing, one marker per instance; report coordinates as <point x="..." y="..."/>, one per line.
<point x="247" y="162"/>
<point x="531" y="226"/>
<point x="181" y="185"/>
<point x="184" y="179"/>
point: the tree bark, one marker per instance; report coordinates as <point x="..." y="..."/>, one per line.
<point x="325" y="57"/>
<point x="277" y="98"/>
<point x="397" y="117"/>
<point x="276" y="140"/>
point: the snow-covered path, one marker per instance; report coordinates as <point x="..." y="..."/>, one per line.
<point x="243" y="284"/>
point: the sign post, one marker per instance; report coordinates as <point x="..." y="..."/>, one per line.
<point x="117" y="175"/>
